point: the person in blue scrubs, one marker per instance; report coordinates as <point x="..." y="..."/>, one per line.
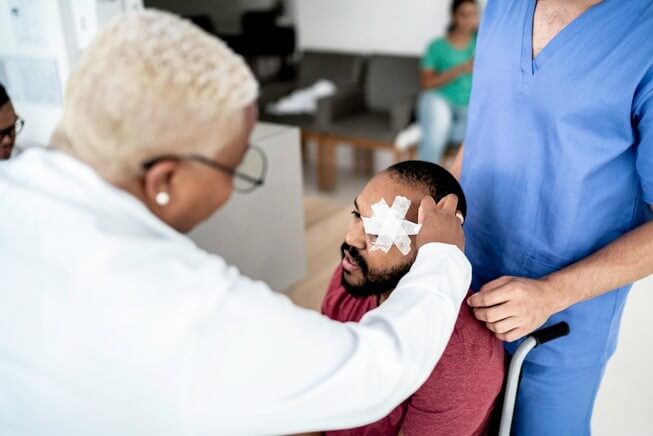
<point x="558" y="170"/>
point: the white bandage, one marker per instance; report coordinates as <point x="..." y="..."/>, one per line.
<point x="390" y="226"/>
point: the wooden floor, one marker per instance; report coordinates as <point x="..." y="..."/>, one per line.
<point x="326" y="223"/>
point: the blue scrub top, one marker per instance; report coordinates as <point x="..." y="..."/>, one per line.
<point x="558" y="158"/>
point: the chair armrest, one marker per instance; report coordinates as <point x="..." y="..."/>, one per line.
<point x="401" y="114"/>
<point x="343" y="103"/>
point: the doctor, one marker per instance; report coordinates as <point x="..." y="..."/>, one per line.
<point x="114" y="322"/>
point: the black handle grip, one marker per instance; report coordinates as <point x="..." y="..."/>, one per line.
<point x="550" y="333"/>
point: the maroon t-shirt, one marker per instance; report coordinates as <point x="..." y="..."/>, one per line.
<point x="459" y="396"/>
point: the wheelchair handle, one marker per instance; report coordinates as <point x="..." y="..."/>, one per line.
<point x="550" y="333"/>
<point x="512" y="381"/>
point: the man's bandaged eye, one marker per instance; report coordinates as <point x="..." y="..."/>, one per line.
<point x="387" y="226"/>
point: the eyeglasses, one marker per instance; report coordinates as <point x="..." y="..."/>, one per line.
<point x="248" y="176"/>
<point x="12" y="130"/>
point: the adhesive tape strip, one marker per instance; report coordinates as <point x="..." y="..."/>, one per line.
<point x="389" y="225"/>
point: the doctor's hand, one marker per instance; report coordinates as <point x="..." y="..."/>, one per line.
<point x="439" y="222"/>
<point x="513" y="307"/>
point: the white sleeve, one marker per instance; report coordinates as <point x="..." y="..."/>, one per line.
<point x="262" y="366"/>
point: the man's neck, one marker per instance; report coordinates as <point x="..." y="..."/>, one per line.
<point x="551" y="16"/>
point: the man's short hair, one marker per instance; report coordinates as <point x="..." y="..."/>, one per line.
<point x="4" y="98"/>
<point x="436" y="181"/>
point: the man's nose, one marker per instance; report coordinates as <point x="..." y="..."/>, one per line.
<point x="355" y="235"/>
<point x="6" y="140"/>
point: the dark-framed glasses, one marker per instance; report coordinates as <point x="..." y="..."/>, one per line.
<point x="12" y="130"/>
<point x="248" y="176"/>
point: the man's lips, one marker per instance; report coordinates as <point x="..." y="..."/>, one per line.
<point x="349" y="264"/>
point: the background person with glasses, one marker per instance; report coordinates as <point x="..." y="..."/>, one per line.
<point x="120" y="324"/>
<point x="10" y="125"/>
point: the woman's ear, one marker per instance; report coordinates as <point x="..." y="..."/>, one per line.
<point x="157" y="186"/>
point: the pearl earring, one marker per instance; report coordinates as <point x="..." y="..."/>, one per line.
<point x="162" y="198"/>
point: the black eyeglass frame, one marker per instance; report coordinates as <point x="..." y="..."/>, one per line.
<point x="255" y="181"/>
<point x="13" y="130"/>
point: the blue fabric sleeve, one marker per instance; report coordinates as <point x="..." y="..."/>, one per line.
<point x="643" y="118"/>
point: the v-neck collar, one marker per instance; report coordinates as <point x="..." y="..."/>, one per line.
<point x="529" y="65"/>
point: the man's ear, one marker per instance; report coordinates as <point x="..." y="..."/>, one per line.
<point x="157" y="186"/>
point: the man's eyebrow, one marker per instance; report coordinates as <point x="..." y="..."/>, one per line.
<point x="356" y="203"/>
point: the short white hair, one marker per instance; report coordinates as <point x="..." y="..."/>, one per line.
<point x="151" y="83"/>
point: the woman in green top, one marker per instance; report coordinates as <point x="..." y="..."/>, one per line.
<point x="447" y="82"/>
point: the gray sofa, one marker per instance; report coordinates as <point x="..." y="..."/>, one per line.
<point x="368" y="117"/>
<point x="380" y="108"/>
<point x="343" y="69"/>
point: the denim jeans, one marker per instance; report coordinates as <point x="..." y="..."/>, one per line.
<point x="441" y="123"/>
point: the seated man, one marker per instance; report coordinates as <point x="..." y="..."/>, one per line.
<point x="461" y="393"/>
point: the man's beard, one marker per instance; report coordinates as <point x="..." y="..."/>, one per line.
<point x="373" y="282"/>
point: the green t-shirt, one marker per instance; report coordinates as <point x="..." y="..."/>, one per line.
<point x="441" y="56"/>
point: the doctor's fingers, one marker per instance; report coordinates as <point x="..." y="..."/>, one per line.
<point x="426" y="206"/>
<point x="449" y="203"/>
<point x="439" y="225"/>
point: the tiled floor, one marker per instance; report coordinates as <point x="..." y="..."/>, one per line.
<point x="625" y="401"/>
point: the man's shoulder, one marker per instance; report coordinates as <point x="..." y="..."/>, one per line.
<point x="460" y="395"/>
<point x="473" y="337"/>
<point x="473" y="357"/>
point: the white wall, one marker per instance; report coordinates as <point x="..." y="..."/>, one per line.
<point x="623" y="404"/>
<point x="271" y="249"/>
<point x="389" y="26"/>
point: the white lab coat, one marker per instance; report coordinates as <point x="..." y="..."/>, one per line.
<point x="112" y="323"/>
